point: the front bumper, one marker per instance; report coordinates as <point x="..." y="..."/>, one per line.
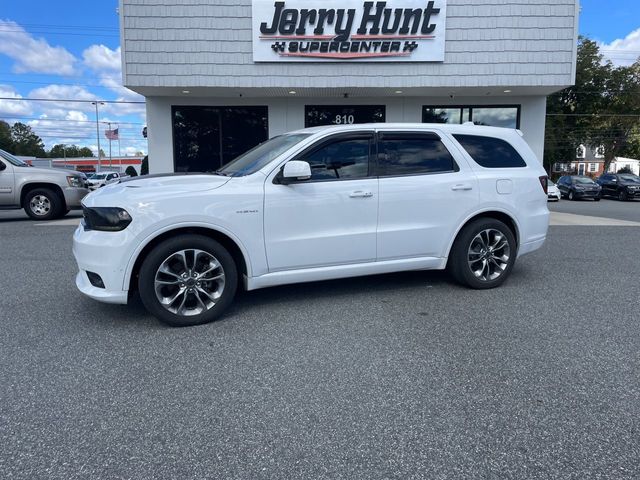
<point x="100" y="294"/>
<point x="106" y="254"/>
<point x="74" y="195"/>
<point x="586" y="193"/>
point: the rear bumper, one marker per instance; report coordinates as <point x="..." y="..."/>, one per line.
<point x="529" y="247"/>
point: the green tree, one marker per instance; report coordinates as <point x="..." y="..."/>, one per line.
<point x="6" y="142"/>
<point x="131" y="171"/>
<point x="144" y="168"/>
<point x="85" y="152"/>
<point x="69" y="151"/>
<point x="597" y="111"/>
<point x="26" y="142"/>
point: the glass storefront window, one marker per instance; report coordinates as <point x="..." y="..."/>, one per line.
<point x="507" y="116"/>
<point x="206" y="138"/>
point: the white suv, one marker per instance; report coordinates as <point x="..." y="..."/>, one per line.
<point x="316" y="204"/>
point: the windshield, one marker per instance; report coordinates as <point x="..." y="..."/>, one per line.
<point x="630" y="178"/>
<point x="97" y="176"/>
<point x="12" y="160"/>
<point x="256" y="158"/>
<point x="582" y="180"/>
<point x="550" y="183"/>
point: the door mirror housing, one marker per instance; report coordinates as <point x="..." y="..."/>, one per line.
<point x="2" y="166"/>
<point x="296" y="171"/>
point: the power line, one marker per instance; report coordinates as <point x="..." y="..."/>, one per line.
<point x="47" y="119"/>
<point x="70" y="101"/>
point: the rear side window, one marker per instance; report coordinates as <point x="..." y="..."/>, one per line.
<point x="490" y="152"/>
<point x="412" y="154"/>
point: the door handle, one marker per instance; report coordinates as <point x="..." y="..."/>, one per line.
<point x="461" y="186"/>
<point x="360" y="194"/>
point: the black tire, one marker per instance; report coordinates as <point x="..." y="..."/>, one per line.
<point x="160" y="254"/>
<point x="571" y="195"/>
<point x="597" y="199"/>
<point x="43" y="204"/>
<point x="622" y="196"/>
<point x="459" y="266"/>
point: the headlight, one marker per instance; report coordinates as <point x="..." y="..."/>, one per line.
<point x="75" y="181"/>
<point x="106" y="219"/>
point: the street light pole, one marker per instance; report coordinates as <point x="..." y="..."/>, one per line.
<point x="98" y="131"/>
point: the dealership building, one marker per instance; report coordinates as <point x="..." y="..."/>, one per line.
<point x="221" y="76"/>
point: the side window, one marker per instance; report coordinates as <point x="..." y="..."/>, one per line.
<point x="490" y="152"/>
<point x="411" y="154"/>
<point x="340" y="159"/>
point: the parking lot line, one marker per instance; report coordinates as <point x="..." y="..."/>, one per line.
<point x="570" y="219"/>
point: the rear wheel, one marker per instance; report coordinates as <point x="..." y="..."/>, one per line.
<point x="188" y="280"/>
<point x="483" y="254"/>
<point x="43" y="204"/>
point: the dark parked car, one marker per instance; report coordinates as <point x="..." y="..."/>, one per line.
<point x="575" y="187"/>
<point x="623" y="186"/>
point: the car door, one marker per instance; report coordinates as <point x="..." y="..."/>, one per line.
<point x="562" y="186"/>
<point x="7" y="184"/>
<point x="425" y="193"/>
<point x="607" y="184"/>
<point x="329" y="219"/>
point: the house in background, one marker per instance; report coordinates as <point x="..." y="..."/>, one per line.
<point x="590" y="162"/>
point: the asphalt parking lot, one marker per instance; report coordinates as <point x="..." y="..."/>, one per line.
<point x="395" y="376"/>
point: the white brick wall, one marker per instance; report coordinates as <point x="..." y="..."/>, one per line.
<point x="176" y="43"/>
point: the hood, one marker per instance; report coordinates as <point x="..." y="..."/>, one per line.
<point x="153" y="187"/>
<point x="48" y="171"/>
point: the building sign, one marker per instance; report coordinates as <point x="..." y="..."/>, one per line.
<point x="317" y="115"/>
<point x="348" y="30"/>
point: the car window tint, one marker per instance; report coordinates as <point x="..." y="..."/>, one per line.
<point x="491" y="152"/>
<point x="340" y="159"/>
<point x="410" y="154"/>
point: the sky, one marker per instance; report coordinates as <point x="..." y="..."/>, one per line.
<point x="70" y="50"/>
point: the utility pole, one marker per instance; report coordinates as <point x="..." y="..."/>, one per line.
<point x="64" y="154"/>
<point x="96" y="103"/>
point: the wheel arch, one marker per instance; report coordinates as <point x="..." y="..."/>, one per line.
<point x="500" y="215"/>
<point x="232" y="245"/>
<point x="27" y="187"/>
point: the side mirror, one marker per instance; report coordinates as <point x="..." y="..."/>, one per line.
<point x="296" y="170"/>
<point x="2" y="166"/>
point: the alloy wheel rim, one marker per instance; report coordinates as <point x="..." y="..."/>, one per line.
<point x="488" y="255"/>
<point x="189" y="282"/>
<point x="40" y="205"/>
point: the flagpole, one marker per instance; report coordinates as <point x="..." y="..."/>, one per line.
<point x="110" y="135"/>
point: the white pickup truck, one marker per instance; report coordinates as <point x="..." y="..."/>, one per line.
<point x="44" y="193"/>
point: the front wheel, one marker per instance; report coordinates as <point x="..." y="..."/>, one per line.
<point x="571" y="195"/>
<point x="622" y="196"/>
<point x="43" y="204"/>
<point x="188" y="280"/>
<point x="483" y="254"/>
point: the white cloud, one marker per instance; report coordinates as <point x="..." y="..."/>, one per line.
<point x="100" y="57"/>
<point x="31" y="54"/>
<point x="623" y="51"/>
<point x="63" y="92"/>
<point x="10" y="108"/>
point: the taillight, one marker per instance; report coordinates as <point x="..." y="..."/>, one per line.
<point x="543" y="183"/>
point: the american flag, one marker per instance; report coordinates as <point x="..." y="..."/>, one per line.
<point x="111" y="134"/>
